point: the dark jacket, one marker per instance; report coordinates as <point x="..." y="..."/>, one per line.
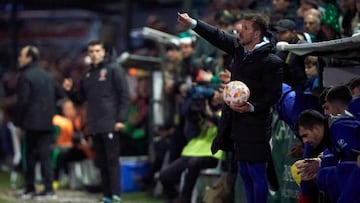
<point x="37" y="96"/>
<point x="294" y="71"/>
<point x="106" y="91"/>
<point x="261" y="71"/>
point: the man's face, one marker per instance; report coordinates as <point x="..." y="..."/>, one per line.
<point x="355" y="92"/>
<point x="285" y="36"/>
<point x="96" y="53"/>
<point x="186" y="50"/>
<point x="69" y="110"/>
<point x="326" y="108"/>
<point x="280" y="5"/>
<point x="23" y="59"/>
<point x="311" y="69"/>
<point x="312" y="136"/>
<point x="336" y="108"/>
<point x="311" y="24"/>
<point x="173" y="55"/>
<point x="329" y="32"/>
<point x="246" y="32"/>
<point x="346" y="5"/>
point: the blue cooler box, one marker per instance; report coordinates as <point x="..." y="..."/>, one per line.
<point x="132" y="169"/>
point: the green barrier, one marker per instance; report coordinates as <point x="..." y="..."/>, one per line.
<point x="282" y="141"/>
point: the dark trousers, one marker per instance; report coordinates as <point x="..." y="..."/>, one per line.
<point x="66" y="156"/>
<point x="170" y="176"/>
<point x="107" y="149"/>
<point x="38" y="146"/>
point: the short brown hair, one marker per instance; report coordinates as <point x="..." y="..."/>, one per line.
<point x="96" y="42"/>
<point x="259" y="21"/>
<point x="355" y="82"/>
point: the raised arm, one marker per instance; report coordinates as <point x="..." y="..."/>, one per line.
<point x="215" y="36"/>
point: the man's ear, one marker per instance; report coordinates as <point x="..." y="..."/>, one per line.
<point x="319" y="129"/>
<point x="257" y="34"/>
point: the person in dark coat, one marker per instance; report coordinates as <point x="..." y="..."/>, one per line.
<point x="36" y="105"/>
<point x="246" y="128"/>
<point x="294" y="72"/>
<point x="105" y="89"/>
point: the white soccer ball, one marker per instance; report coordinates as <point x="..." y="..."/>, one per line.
<point x="236" y="92"/>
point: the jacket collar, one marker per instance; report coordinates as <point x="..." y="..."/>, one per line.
<point x="26" y="67"/>
<point x="100" y="65"/>
<point x="260" y="47"/>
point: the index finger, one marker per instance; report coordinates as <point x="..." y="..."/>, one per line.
<point x="180" y="14"/>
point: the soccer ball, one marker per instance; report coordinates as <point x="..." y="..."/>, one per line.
<point x="236" y="92"/>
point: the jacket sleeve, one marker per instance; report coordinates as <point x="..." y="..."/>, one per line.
<point x="271" y="77"/>
<point x="223" y="139"/>
<point x="344" y="136"/>
<point x="218" y="38"/>
<point x="23" y="100"/>
<point x="122" y="91"/>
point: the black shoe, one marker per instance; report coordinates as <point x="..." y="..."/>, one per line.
<point x="26" y="195"/>
<point x="45" y="195"/>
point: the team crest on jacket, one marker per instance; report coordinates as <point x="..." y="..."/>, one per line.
<point x="103" y="73"/>
<point x="342" y="144"/>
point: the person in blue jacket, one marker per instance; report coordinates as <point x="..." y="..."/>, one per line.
<point x="354" y="106"/>
<point x="341" y="139"/>
<point x="292" y="103"/>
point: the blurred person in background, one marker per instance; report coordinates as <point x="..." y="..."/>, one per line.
<point x="355" y="21"/>
<point x="294" y="73"/>
<point x="312" y="27"/>
<point x="306" y="5"/>
<point x="134" y="140"/>
<point x="347" y="12"/>
<point x="105" y="89"/>
<point x="10" y="155"/>
<point x="311" y="70"/>
<point x="330" y="25"/>
<point x="196" y="155"/>
<point x="354" y="106"/>
<point x="281" y="9"/>
<point x="36" y="105"/>
<point x="70" y="144"/>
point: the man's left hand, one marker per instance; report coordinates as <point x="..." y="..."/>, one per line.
<point x="118" y="126"/>
<point x="309" y="169"/>
<point x="241" y="107"/>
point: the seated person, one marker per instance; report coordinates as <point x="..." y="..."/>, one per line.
<point x="292" y="103"/>
<point x="69" y="145"/>
<point x="195" y="156"/>
<point x="134" y="137"/>
<point x="354" y="106"/>
<point x="311" y="70"/>
<point x="339" y="135"/>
